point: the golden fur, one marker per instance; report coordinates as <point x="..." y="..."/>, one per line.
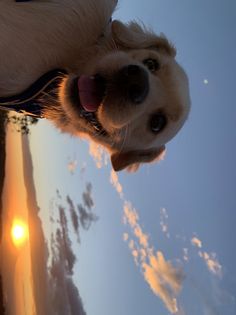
<point x="75" y="35"/>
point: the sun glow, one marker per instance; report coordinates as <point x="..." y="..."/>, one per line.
<point x="19" y="232"/>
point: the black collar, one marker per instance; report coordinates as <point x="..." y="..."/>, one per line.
<point x="28" y="102"/>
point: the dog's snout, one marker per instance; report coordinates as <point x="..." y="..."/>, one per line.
<point x="134" y="81"/>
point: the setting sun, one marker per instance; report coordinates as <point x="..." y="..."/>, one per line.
<point x="19" y="232"/>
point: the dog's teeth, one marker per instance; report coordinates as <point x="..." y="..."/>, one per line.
<point x="96" y="127"/>
<point x="94" y="122"/>
<point x="92" y="119"/>
<point x="87" y="114"/>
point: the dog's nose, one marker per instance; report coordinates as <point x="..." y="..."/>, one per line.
<point x="134" y="80"/>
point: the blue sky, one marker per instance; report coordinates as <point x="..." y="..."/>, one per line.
<point x="185" y="204"/>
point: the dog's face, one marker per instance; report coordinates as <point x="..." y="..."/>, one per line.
<point x="132" y="99"/>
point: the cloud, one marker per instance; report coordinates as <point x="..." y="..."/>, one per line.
<point x="75" y="301"/>
<point x="63" y="241"/>
<point x="212" y="263"/>
<point x="72" y="165"/>
<point x="130" y="214"/>
<point x="163" y="278"/>
<point x="181" y="311"/>
<point x="125" y="237"/>
<point x="196" y="242"/>
<point x="86" y="217"/>
<point x="85" y="214"/>
<point x="87" y="197"/>
<point x="163" y="222"/>
<point x="115" y="182"/>
<point x="81" y="215"/>
<point x="142" y="237"/>
<point x="73" y="215"/>
<point x="185" y="254"/>
<point x="210" y="259"/>
<point x="98" y="153"/>
<point x="64" y="294"/>
<point x="83" y="168"/>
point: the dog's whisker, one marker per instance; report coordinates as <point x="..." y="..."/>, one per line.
<point x="114" y="45"/>
<point x="124" y="136"/>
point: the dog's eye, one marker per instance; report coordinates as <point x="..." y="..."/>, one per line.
<point x="157" y="122"/>
<point x="152" y="64"/>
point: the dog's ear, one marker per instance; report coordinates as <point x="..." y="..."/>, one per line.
<point x="133" y="36"/>
<point x="132" y="159"/>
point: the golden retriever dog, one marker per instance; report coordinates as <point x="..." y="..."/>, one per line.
<point x="117" y="84"/>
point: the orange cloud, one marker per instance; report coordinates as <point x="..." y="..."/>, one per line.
<point x="210" y="259"/>
<point x="130" y="214"/>
<point x="212" y="263"/>
<point x="143" y="238"/>
<point x="72" y="165"/>
<point x="196" y="242"/>
<point x="99" y="155"/>
<point x="161" y="283"/>
<point x="163" y="278"/>
<point x="115" y="182"/>
<point x="125" y="237"/>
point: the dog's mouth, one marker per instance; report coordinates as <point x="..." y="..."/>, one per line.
<point x="87" y="94"/>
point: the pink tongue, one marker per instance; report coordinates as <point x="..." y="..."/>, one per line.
<point x="90" y="98"/>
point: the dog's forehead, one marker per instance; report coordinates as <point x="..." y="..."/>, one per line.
<point x="144" y="53"/>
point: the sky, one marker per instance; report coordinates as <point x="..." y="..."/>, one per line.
<point x="158" y="241"/>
